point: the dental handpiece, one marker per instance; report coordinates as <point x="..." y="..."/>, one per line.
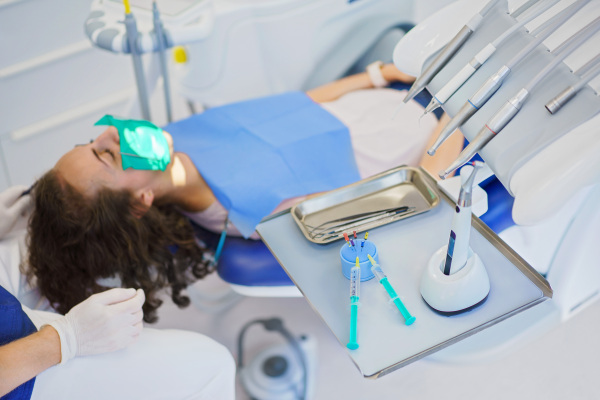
<point x="448" y="52"/>
<point x="383" y="279"/>
<point x="480" y="58"/>
<point x="508" y="111"/>
<point x="567" y="94"/>
<point x="160" y="39"/>
<point x="460" y="231"/>
<point x="354" y="297"/>
<point x="132" y="38"/>
<point x="485" y="92"/>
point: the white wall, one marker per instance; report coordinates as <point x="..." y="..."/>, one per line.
<point x="54" y="85"/>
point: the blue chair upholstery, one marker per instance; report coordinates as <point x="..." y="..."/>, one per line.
<point x="250" y="263"/>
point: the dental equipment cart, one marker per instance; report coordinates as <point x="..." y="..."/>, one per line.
<point x="404" y="247"/>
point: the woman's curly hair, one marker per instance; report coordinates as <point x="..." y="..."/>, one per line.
<point x="75" y="241"/>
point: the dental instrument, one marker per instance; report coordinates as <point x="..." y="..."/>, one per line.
<point x="355" y="218"/>
<point x="486" y="91"/>
<point x="449" y="50"/>
<point x="221" y="242"/>
<point x="480" y="58"/>
<point x="354" y="297"/>
<point x="460" y="232"/>
<point x="566" y="95"/>
<point x="161" y="44"/>
<point x="132" y="39"/>
<point x="507" y="112"/>
<point x="383" y="279"/>
<point x="362" y="222"/>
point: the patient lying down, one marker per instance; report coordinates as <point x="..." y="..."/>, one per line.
<point x="94" y="220"/>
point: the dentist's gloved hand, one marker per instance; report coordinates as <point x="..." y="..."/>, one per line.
<point x="12" y="207"/>
<point x="104" y="322"/>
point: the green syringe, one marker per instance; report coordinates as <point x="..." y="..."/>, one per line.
<point x="382" y="278"/>
<point x="354" y="297"/>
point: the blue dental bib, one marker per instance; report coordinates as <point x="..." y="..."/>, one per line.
<point x="254" y="154"/>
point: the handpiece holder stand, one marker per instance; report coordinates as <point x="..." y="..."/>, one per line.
<point x="457" y="292"/>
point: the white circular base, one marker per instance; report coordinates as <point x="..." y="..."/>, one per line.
<point x="456" y="292"/>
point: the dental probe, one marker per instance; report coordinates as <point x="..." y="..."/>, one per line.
<point x="566" y="95"/>
<point x="160" y="39"/>
<point x="480" y="58"/>
<point x="460" y="231"/>
<point x="132" y="38"/>
<point x="354" y="297"/>
<point x="449" y="50"/>
<point x="483" y="94"/>
<point x="383" y="279"/>
<point x="507" y="112"/>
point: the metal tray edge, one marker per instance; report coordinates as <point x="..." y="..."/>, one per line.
<point x="426" y="180"/>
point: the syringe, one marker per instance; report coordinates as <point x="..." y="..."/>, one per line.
<point x="354" y="297"/>
<point x="383" y="279"/>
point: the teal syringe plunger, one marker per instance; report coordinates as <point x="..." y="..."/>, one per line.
<point x="382" y="278"/>
<point x="354" y="297"/>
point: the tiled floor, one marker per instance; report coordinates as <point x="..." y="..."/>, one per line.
<point x="559" y="363"/>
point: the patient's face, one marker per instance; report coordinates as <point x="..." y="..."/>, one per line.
<point x="98" y="164"/>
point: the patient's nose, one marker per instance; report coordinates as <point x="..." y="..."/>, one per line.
<point x="108" y="138"/>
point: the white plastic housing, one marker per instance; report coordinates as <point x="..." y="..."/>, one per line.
<point x="458" y="291"/>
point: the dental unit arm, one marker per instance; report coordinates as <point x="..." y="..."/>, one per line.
<point x="481" y="57"/>
<point x="106" y="32"/>
<point x="449" y="50"/>
<point x="547" y="162"/>
<point x="508" y="111"/>
<point x="494" y="82"/>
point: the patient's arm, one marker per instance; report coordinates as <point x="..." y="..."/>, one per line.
<point x="447" y="151"/>
<point x="336" y="89"/>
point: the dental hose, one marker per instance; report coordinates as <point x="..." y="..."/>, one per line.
<point x="138" y="67"/>
<point x="480" y="58"/>
<point x="485" y="92"/>
<point x="160" y="39"/>
<point x="448" y="52"/>
<point x="507" y="112"/>
<point x="566" y="95"/>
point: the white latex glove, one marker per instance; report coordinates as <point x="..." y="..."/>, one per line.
<point x="12" y="207"/>
<point x="104" y="322"/>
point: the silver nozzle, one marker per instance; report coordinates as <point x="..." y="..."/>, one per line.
<point x="461" y="116"/>
<point x="482" y="138"/>
<point x="560" y="100"/>
<point x="414" y="90"/>
<point x="438" y="63"/>
<point x="433" y="105"/>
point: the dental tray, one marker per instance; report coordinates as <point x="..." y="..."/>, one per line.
<point x="404" y="249"/>
<point x="393" y="195"/>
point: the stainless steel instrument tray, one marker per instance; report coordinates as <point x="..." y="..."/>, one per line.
<point x="400" y="186"/>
